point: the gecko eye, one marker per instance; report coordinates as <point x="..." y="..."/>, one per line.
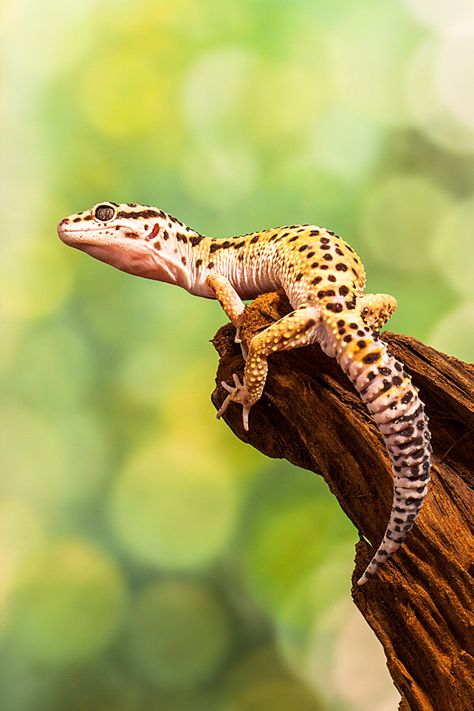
<point x="104" y="213"/>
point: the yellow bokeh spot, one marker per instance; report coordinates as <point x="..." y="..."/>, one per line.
<point x="67" y="603"/>
<point x="36" y="276"/>
<point x="174" y="504"/>
<point x="125" y="93"/>
<point x="277" y="105"/>
<point x="21" y="531"/>
<point x="284" y="695"/>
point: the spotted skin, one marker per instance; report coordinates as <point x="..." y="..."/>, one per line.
<point x="324" y="281"/>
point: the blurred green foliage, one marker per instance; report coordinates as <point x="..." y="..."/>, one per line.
<point x="148" y="560"/>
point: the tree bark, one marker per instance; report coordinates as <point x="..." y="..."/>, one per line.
<point x="419" y="604"/>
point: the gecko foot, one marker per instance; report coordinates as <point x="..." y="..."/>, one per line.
<point x="240" y="394"/>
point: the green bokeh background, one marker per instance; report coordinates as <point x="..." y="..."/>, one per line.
<point x="149" y="560"/>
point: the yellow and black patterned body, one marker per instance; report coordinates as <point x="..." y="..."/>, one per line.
<point x="324" y="280"/>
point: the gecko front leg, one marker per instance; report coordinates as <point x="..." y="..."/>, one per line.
<point x="230" y="302"/>
<point x="292" y="331"/>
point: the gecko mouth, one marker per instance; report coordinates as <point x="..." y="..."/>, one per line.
<point x="72" y="236"/>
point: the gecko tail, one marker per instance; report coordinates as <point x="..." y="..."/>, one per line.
<point x="407" y="502"/>
<point x="396" y="408"/>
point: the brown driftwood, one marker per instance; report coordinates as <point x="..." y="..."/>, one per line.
<point x="420" y="602"/>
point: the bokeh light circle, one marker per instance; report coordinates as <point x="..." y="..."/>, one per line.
<point x="21" y="532"/>
<point x="445" y="17"/>
<point x="399" y="218"/>
<point x="212" y="89"/>
<point x="367" y="72"/>
<point x="219" y="174"/>
<point x="317" y="633"/>
<point x="38" y="279"/>
<point x="454" y="334"/>
<point x="453" y="247"/>
<point x="67" y="603"/>
<point x="284" y="545"/>
<point x="284" y="695"/>
<point x="174" y="505"/>
<point x="426" y="105"/>
<point x="455" y="76"/>
<point x="124" y="93"/>
<point x="179" y="633"/>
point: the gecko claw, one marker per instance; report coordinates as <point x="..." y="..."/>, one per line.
<point x="237" y="393"/>
<point x="238" y="340"/>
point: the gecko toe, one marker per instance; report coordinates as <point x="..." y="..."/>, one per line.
<point x="239" y="394"/>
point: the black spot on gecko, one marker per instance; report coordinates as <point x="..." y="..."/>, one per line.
<point x="341" y="267"/>
<point x="145" y="214"/>
<point x="371" y="357"/>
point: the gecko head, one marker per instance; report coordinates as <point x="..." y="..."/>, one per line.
<point x="137" y="239"/>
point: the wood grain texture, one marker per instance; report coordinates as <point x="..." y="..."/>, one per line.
<point x="420" y="603"/>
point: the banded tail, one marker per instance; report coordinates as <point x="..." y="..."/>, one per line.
<point x="393" y="402"/>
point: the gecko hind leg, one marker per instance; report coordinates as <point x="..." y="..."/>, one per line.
<point x="292" y="331"/>
<point x="376" y="309"/>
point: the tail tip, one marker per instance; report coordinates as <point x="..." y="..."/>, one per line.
<point x="362" y="580"/>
